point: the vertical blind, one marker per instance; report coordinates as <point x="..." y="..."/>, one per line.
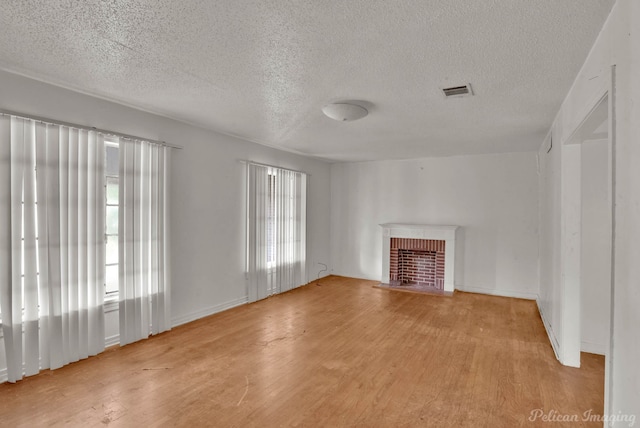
<point x="276" y="230"/>
<point x="144" y="285"/>
<point x="52" y="243"/>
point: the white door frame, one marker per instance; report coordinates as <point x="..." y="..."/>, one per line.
<point x="570" y="239"/>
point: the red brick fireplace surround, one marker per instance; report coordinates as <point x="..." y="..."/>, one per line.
<point x="417" y="261"/>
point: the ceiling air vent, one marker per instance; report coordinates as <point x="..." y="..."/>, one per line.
<point x="458" y="91"/>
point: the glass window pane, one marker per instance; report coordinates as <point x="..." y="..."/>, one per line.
<point x="112" y="279"/>
<point x="112" y="220"/>
<point x="112" y="249"/>
<point x="113" y="160"/>
<point x="112" y="191"/>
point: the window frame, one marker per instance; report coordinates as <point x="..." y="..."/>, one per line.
<point x="110" y="295"/>
<point x="272" y="217"/>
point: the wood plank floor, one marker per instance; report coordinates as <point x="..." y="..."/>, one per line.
<point x="341" y="353"/>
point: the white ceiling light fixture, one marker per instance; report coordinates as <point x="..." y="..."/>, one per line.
<point x="344" y="112"/>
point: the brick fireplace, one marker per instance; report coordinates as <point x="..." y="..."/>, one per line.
<point x="417" y="261"/>
<point x="419" y="254"/>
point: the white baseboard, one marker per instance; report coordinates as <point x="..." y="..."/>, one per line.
<point x="115" y="339"/>
<point x="550" y="333"/>
<point x="208" y="311"/>
<point x="496" y="292"/>
<point x="112" y="340"/>
<point x="4" y="377"/>
<point x="593" y="348"/>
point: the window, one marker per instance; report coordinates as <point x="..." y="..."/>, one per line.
<point x="111" y="222"/>
<point x="271" y="219"/>
<point x="283" y="221"/>
<point x="33" y="250"/>
<point x="276" y="230"/>
<point x="78" y="223"/>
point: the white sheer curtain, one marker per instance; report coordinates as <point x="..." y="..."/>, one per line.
<point x="144" y="277"/>
<point x="276" y="230"/>
<point x="52" y="244"/>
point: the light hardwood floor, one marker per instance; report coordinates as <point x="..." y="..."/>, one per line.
<point x="341" y="353"/>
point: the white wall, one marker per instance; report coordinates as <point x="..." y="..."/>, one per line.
<point x="207" y="195"/>
<point x="618" y="44"/>
<point x="493" y="197"/>
<point x="595" y="287"/>
<point x="550" y="277"/>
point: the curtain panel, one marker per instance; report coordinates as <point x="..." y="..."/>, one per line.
<point x="276" y="230"/>
<point x="51" y="244"/>
<point x="143" y="233"/>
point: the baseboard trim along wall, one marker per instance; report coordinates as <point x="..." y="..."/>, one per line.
<point x="496" y="292"/>
<point x="593" y="348"/>
<point x="208" y="311"/>
<point x="112" y="340"/>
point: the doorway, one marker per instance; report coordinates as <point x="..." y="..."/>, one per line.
<point x="587" y="234"/>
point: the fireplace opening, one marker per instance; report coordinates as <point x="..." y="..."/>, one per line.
<point x="417" y="267"/>
<point x="417" y="262"/>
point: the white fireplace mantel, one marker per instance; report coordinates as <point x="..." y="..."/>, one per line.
<point x="421" y="231"/>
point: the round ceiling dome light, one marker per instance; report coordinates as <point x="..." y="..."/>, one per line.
<point x="344" y="112"/>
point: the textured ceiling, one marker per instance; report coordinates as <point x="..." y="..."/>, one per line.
<point x="262" y="70"/>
